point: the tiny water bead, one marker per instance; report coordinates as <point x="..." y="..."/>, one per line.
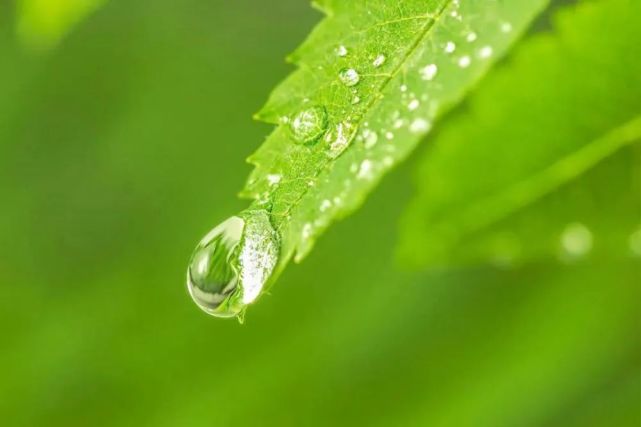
<point x="341" y="51"/>
<point x="413" y="105"/>
<point x="429" y="71"/>
<point x="464" y="61"/>
<point x="349" y="77"/>
<point x="485" y="52"/>
<point x="309" y="124"/>
<point x="420" y="126"/>
<point x="450" y="47"/>
<point x="379" y="60"/>
<point x="232" y="263"/>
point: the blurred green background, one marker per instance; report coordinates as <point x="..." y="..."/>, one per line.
<point x="125" y="143"/>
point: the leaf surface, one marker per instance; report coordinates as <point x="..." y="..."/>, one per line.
<point x="406" y="63"/>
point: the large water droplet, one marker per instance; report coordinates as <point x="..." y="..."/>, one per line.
<point x="349" y="76"/>
<point x="232" y="263"/>
<point x="309" y="124"/>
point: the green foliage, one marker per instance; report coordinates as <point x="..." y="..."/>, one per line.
<point x="375" y="75"/>
<point x="512" y="172"/>
<point x="43" y="23"/>
<point x="122" y="146"/>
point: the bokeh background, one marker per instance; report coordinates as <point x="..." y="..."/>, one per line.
<point x="123" y="142"/>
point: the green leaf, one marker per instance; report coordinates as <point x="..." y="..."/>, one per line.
<point x="563" y="103"/>
<point x="43" y="23"/>
<point x="371" y="79"/>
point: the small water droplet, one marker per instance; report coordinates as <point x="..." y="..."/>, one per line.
<point x="576" y="240"/>
<point x="485" y="52"/>
<point x="471" y="37"/>
<point x="380" y="60"/>
<point x="420" y="126"/>
<point x="429" y="71"/>
<point x="450" y="47"/>
<point x="370" y="137"/>
<point x="309" y="125"/>
<point x="389" y="135"/>
<point x="506" y="27"/>
<point x="413" y="105"/>
<point x="349" y="77"/>
<point x="365" y="170"/>
<point x="403" y="88"/>
<point x="340" y="137"/>
<point x="274" y="179"/>
<point x="307" y="231"/>
<point x="356" y="100"/>
<point x="232" y="263"/>
<point x="325" y="205"/>
<point x="341" y="51"/>
<point x="464" y="61"/>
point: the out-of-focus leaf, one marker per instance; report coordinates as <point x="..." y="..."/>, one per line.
<point x="43" y="23"/>
<point x="371" y="79"/>
<point x="561" y="105"/>
<point x="595" y="216"/>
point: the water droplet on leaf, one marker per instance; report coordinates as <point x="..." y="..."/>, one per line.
<point x="429" y="72"/>
<point x="232" y="263"/>
<point x="365" y="169"/>
<point x="485" y="52"/>
<point x="341" y="51"/>
<point x="576" y="240"/>
<point x="349" y="76"/>
<point x="450" y="47"/>
<point x="370" y="138"/>
<point x="380" y="60"/>
<point x="419" y="126"/>
<point x="309" y="124"/>
<point x="464" y="61"/>
<point x="340" y="137"/>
